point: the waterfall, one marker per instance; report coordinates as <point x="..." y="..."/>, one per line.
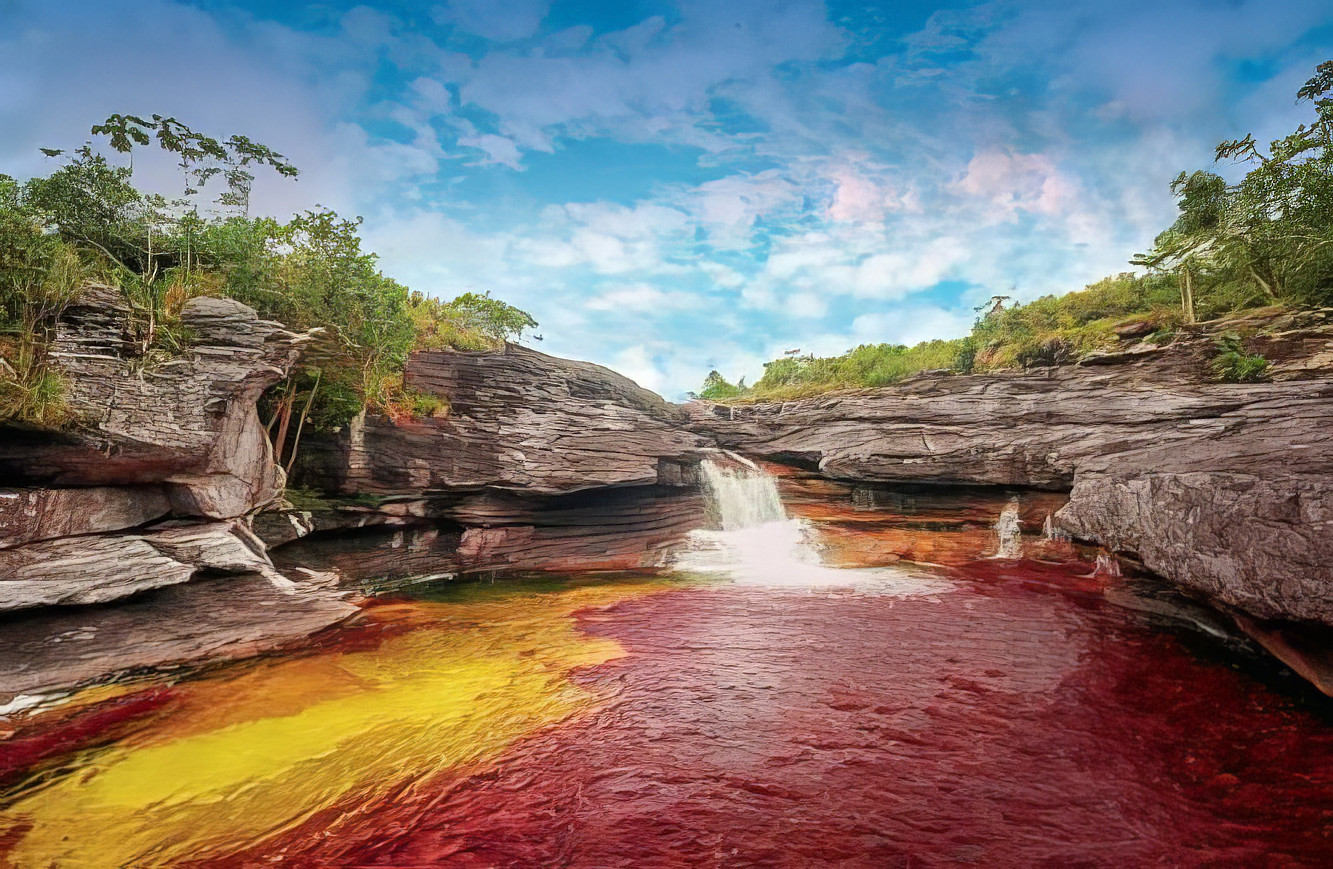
<point x="1009" y="530"/>
<point x="742" y="497"/>
<point x="754" y="542"/>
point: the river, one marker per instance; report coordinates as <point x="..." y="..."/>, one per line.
<point x="790" y="694"/>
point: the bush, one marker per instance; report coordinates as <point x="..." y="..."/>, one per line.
<point x="1234" y="365"/>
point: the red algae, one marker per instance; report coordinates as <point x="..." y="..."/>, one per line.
<point x="1003" y="712"/>
<point x="1018" y="720"/>
<point x="60" y="734"/>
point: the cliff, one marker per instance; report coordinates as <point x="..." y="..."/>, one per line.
<point x="517" y="420"/>
<point x="1225" y="489"/>
<point x="540" y="463"/>
<point x="148" y="487"/>
<point x="186" y="427"/>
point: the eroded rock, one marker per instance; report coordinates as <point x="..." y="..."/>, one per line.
<point x="188" y="425"/>
<point x="518" y="420"/>
<point x="1222" y="488"/>
<point x="106" y="567"/>
<point x="217" y="619"/>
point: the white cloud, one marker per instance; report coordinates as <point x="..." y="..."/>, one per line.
<point x="639" y="298"/>
<point x="502" y="22"/>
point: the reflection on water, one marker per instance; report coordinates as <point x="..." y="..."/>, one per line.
<point x="995" y="713"/>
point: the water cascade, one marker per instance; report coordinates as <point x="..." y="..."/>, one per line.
<point x="757" y="543"/>
<point x="1009" y="531"/>
<point x="742" y="497"/>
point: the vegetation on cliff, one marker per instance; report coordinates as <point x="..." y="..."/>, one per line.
<point x="87" y="222"/>
<point x="1265" y="240"/>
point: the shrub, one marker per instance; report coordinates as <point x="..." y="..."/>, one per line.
<point x="1234" y="365"/>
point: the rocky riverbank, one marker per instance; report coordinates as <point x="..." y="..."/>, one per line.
<point x="168" y="480"/>
<point x="1224" y="489"/>
<point x="165" y="490"/>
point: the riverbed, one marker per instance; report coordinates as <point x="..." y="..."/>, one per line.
<point x="794" y="692"/>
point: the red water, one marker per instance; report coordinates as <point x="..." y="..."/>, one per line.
<point x="1017" y="720"/>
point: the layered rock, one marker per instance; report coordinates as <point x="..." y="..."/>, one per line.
<point x="153" y="439"/>
<point x="491" y="533"/>
<point x="517" y="420"/>
<point x="188" y="425"/>
<point x="539" y="463"/>
<point x="215" y="619"/>
<point x="1222" y="488"/>
<point x="106" y="567"/>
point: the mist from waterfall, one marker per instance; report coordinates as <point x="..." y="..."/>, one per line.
<point x="757" y="543"/>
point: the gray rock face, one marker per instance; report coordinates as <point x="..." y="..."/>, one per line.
<point x="179" y="438"/>
<point x="518" y="420"/>
<point x="27" y="515"/>
<point x="225" y="618"/>
<point x="492" y="532"/>
<point x="1222" y="488"/>
<point x="104" y="567"/>
<point x="188" y="425"/>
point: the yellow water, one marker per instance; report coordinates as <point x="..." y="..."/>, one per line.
<point x="254" y="751"/>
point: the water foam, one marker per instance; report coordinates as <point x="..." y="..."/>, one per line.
<point x="757" y="543"/>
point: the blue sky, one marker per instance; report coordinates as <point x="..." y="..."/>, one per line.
<point x="671" y="187"/>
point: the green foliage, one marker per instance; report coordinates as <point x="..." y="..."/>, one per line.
<point x="200" y="157"/>
<point x="39" y="276"/>
<point x="717" y="388"/>
<point x="423" y="405"/>
<point x="33" y="397"/>
<point x="1234" y="365"/>
<point x="1268" y="238"/>
<point x="309" y="500"/>
<point x="86" y="220"/>
<point x="472" y="321"/>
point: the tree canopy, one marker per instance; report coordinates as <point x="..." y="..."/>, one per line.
<point x="86" y="219"/>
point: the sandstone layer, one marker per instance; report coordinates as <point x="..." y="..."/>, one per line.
<point x="188" y="424"/>
<point x="517" y="420"/>
<point x="146" y="488"/>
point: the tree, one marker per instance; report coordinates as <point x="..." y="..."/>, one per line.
<point x="472" y="321"/>
<point x="718" y="388"/>
<point x="1272" y="230"/>
<point x="200" y="157"/>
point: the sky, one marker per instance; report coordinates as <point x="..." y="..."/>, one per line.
<point x="673" y="187"/>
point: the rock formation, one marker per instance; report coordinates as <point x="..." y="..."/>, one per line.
<point x="517" y="420"/>
<point x="1226" y="489"/>
<point x="540" y="463"/>
<point x="154" y="441"/>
